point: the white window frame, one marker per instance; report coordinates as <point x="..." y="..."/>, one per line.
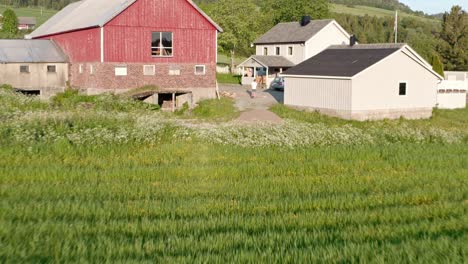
<point x="51" y="65"/>
<point x="204" y="69"/>
<point x="160" y="45"/>
<point x="278" y="51"/>
<point x="265" y="51"/>
<point x="174" y="70"/>
<point x="91" y="69"/>
<point x="406" y="88"/>
<point x="80" y="68"/>
<point x="153" y="71"/>
<point x="121" y="70"/>
<point x="291" y="48"/>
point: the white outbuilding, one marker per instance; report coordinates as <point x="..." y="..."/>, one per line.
<point x="452" y="91"/>
<point x="364" y="82"/>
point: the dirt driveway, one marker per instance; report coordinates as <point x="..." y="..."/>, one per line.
<point x="254" y="109"/>
<point x="264" y="99"/>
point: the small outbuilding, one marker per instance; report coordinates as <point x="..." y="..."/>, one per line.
<point x="452" y="92"/>
<point x="26" y="23"/>
<point x="33" y="66"/>
<point x="364" y="82"/>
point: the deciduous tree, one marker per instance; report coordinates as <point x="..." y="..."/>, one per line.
<point x="10" y="22"/>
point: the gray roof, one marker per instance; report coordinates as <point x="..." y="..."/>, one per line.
<point x="344" y="60"/>
<point x="30" y="51"/>
<point x="272" y="61"/>
<point x="27" y="20"/>
<point x="292" y="32"/>
<point x="89" y="14"/>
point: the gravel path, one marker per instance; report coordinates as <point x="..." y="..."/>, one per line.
<point x="254" y="110"/>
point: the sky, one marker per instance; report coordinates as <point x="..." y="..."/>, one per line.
<point x="435" y="6"/>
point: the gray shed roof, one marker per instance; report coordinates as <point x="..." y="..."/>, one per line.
<point x="292" y="32"/>
<point x="30" y="51"/>
<point x="89" y="14"/>
<point x="271" y="61"/>
<point x="344" y="60"/>
<point x="27" y="20"/>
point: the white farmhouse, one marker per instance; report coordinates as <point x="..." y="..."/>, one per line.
<point x="364" y="82"/>
<point x="288" y="44"/>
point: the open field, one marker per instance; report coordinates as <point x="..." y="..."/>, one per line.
<point x="106" y="179"/>
<point x="31" y="12"/>
<point x="373" y="11"/>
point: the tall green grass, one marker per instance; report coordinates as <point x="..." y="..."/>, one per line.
<point x="104" y="179"/>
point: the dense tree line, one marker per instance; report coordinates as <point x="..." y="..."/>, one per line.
<point x="51" y="4"/>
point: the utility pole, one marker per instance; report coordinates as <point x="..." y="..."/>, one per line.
<point x="396" y="26"/>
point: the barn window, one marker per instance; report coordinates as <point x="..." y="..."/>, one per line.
<point x="402" y="88"/>
<point x="80" y="68"/>
<point x="174" y="70"/>
<point x="200" y="70"/>
<point x="91" y="69"/>
<point x="278" y="51"/>
<point x="149" y="70"/>
<point x="290" y="51"/>
<point x="51" y="69"/>
<point x="24" y="69"/>
<point x="121" y="71"/>
<point x="265" y="51"/>
<point x="161" y="44"/>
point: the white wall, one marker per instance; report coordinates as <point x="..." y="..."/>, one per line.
<point x="37" y="78"/>
<point x="452" y="94"/>
<point x="377" y="88"/>
<point x="298" y="51"/>
<point x="329" y="35"/>
<point x="318" y="93"/>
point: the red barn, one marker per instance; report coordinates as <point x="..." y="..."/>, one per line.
<point x="117" y="45"/>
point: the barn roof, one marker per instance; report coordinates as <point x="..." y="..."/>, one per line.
<point x="30" y="51"/>
<point x="293" y="32"/>
<point x="344" y="60"/>
<point x="92" y="13"/>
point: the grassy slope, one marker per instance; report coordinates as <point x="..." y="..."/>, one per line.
<point x="32" y="12"/>
<point x="373" y="11"/>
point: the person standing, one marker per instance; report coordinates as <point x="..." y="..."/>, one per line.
<point x="254" y="89"/>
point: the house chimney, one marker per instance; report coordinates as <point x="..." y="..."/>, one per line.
<point x="305" y="21"/>
<point x="352" y="40"/>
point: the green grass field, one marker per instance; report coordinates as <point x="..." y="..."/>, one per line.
<point x="106" y="179"/>
<point x="31" y="12"/>
<point x="373" y="11"/>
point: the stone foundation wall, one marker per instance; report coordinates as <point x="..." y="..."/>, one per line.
<point x="94" y="78"/>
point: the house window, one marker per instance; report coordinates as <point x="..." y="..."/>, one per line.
<point x="200" y="70"/>
<point x="91" y="69"/>
<point x="265" y="51"/>
<point x="80" y="68"/>
<point x="24" y="69"/>
<point x="161" y="44"/>
<point x="278" y="51"/>
<point x="402" y="88"/>
<point x="121" y="71"/>
<point x="290" y="51"/>
<point x="174" y="70"/>
<point x="149" y="70"/>
<point x="51" y="69"/>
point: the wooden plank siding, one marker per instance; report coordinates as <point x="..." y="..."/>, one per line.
<point x="80" y="46"/>
<point x="127" y="38"/>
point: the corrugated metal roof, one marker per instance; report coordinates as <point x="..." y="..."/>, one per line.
<point x="344" y="60"/>
<point x="293" y="32"/>
<point x="88" y="14"/>
<point x="30" y="51"/>
<point x="27" y="20"/>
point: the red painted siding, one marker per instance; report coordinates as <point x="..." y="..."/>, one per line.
<point x="80" y="46"/>
<point x="127" y="38"/>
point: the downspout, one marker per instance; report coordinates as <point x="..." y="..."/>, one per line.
<point x="102" y="44"/>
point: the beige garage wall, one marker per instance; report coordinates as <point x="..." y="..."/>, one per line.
<point x="318" y="93"/>
<point x="378" y="87"/>
<point x="37" y="78"/>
